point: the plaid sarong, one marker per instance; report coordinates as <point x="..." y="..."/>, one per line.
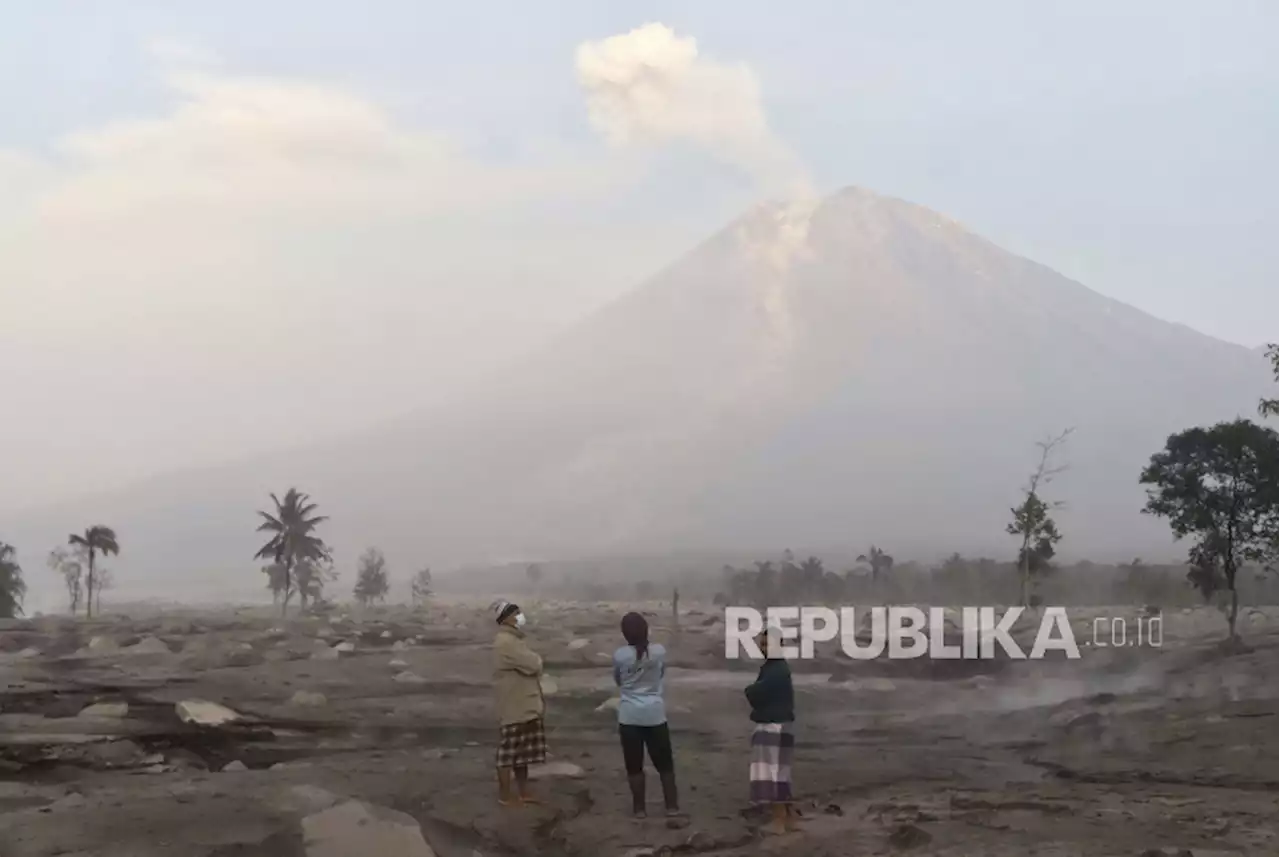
<point x="772" y="746"/>
<point x="522" y="744"/>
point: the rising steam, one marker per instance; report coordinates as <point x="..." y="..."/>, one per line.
<point x="649" y="87"/>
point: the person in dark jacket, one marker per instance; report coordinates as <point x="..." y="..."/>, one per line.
<point x="772" y="702"/>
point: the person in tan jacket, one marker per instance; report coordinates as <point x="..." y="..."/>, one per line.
<point x="517" y="673"/>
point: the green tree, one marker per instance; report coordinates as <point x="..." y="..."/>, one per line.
<point x="1218" y="486"/>
<point x="1271" y="407"/>
<point x="1032" y="522"/>
<point x="293" y="539"/>
<point x="12" y="587"/>
<point x="95" y="540"/>
<point x="878" y="560"/>
<point x="371" y="577"/>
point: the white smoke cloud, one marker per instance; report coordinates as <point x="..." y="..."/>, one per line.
<point x="650" y="87"/>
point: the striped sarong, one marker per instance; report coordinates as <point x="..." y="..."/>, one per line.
<point x="772" y="747"/>
<point x="522" y="744"/>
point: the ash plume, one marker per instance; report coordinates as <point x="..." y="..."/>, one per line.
<point x="652" y="87"/>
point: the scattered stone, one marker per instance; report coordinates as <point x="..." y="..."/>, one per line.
<point x="324" y="632"/>
<point x="399" y="646"/>
<point x="27" y="653"/>
<point x="833" y="809"/>
<point x="397" y="663"/>
<point x="114" y="754"/>
<point x="908" y="836"/>
<point x="235" y="765"/>
<point x="310" y="698"/>
<point x="204" y="713"/>
<point x="550" y="770"/>
<point x="345" y="646"/>
<point x="407" y="677"/>
<point x="549" y="685"/>
<point x="305" y="800"/>
<point x="355" y="827"/>
<point x="609" y="704"/>
<point x="101" y="644"/>
<point x="147" y="646"/>
<point x="326" y="654"/>
<point x="580" y="643"/>
<point x="386" y="635"/>
<point x="435" y="754"/>
<point x="105" y="709"/>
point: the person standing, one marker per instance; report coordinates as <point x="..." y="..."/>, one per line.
<point x="517" y="673"/>
<point x="772" y="700"/>
<point x="638" y="671"/>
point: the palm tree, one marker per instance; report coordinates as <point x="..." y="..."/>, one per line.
<point x="293" y="539"/>
<point x="96" y="540"/>
<point x="12" y="587"/>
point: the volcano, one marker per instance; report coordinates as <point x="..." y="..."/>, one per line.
<point x="852" y="370"/>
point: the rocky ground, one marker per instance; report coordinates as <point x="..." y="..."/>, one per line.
<point x="236" y="733"/>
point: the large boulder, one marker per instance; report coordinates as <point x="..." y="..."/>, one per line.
<point x="204" y="713"/>
<point x="356" y="829"/>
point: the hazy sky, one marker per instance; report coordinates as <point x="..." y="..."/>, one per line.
<point x="231" y="226"/>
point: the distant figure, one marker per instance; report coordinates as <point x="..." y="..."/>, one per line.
<point x="675" y="606"/>
<point x="517" y="671"/>
<point x="638" y="669"/>
<point x="772" y="742"/>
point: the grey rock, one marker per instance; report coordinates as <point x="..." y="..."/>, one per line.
<point x="309" y="698"/>
<point x="235" y="765"/>
<point x="204" y="713"/>
<point x="105" y="709"/>
<point x="357" y="828"/>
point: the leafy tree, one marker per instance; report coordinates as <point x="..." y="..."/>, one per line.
<point x="95" y="540"/>
<point x="1218" y="486"/>
<point x="12" y="587"/>
<point x="420" y="586"/>
<point x="878" y="560"/>
<point x="63" y="562"/>
<point x="1032" y="522"/>
<point x="1271" y="407"/>
<point x="812" y="574"/>
<point x="310" y="578"/>
<point x="276" y="581"/>
<point x="293" y="539"/>
<point x="371" y="577"/>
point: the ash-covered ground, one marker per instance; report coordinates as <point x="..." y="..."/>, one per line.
<point x="372" y="732"/>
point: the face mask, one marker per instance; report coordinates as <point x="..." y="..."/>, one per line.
<point x="520" y="620"/>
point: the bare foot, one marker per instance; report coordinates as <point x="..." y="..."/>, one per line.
<point x="530" y="799"/>
<point x="506" y="801"/>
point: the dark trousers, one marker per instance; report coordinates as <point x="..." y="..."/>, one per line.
<point x="636" y="739"/>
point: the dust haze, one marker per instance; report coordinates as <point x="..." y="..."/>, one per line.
<point x="300" y="378"/>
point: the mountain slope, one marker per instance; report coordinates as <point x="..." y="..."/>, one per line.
<point x="830" y="374"/>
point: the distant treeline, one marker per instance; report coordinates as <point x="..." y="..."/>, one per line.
<point x="956" y="580"/>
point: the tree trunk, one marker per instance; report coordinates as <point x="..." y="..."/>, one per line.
<point x="1235" y="611"/>
<point x="1024" y="572"/>
<point x="288" y="588"/>
<point x="88" y="601"/>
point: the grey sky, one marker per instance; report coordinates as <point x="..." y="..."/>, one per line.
<point x="175" y="290"/>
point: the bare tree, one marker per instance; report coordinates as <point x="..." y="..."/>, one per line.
<point x="65" y="563"/>
<point x="1031" y="521"/>
<point x="420" y="587"/>
<point x="105" y="580"/>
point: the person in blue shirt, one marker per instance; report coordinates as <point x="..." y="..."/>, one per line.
<point x="638" y="669"/>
